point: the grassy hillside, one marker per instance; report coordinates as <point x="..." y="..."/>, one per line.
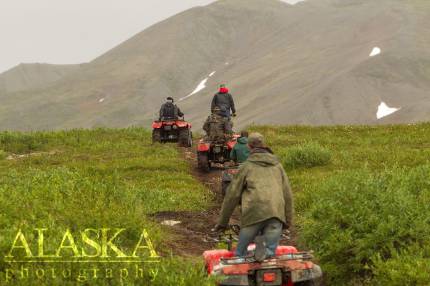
<point x="93" y="179"/>
<point x="362" y="197"/>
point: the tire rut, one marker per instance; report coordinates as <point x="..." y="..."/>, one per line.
<point x="189" y="237"/>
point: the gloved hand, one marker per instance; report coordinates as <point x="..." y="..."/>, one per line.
<point x="219" y="228"/>
<point x="234" y="114"/>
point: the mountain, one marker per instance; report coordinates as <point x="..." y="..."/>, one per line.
<point x="33" y="76"/>
<point x="307" y="63"/>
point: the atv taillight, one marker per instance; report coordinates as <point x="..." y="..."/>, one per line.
<point x="269" y="277"/>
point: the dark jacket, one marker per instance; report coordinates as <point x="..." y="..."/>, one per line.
<point x="224" y="101"/>
<point x="169" y="110"/>
<point x="240" y="152"/>
<point x="262" y="187"/>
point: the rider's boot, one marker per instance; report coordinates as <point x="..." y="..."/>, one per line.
<point x="260" y="248"/>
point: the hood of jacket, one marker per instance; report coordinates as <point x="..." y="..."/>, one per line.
<point x="242" y="140"/>
<point x="263" y="159"/>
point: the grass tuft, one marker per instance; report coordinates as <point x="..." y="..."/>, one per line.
<point x="306" y="155"/>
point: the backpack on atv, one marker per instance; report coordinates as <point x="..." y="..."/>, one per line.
<point x="216" y="132"/>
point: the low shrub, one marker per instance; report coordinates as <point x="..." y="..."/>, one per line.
<point x="357" y="218"/>
<point x="306" y="155"/>
<point x="410" y="267"/>
<point x="20" y="143"/>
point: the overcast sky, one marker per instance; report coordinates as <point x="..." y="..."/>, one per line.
<point x="76" y="31"/>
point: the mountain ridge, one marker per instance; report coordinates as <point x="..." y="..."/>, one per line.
<point x="301" y="64"/>
<point x="33" y="76"/>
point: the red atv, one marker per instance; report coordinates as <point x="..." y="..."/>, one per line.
<point x="172" y="131"/>
<point x="289" y="268"/>
<point x="210" y="152"/>
<point x="227" y="177"/>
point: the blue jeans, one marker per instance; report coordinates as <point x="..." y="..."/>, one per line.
<point x="271" y="229"/>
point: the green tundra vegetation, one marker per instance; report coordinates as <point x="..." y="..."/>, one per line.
<point x="362" y="197"/>
<point x="83" y="179"/>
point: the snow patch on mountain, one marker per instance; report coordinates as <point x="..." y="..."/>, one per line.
<point x="293" y="2"/>
<point x="385" y="110"/>
<point x="376" y="51"/>
<point x="200" y="87"/>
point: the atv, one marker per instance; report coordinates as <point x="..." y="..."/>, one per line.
<point x="289" y="267"/>
<point x="172" y="131"/>
<point x="214" y="152"/>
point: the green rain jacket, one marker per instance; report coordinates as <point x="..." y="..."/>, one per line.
<point x="263" y="188"/>
<point x="240" y="152"/>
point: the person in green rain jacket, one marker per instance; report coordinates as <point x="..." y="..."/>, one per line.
<point x="240" y="151"/>
<point x="263" y="189"/>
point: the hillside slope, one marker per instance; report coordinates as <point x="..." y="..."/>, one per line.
<point x="302" y="64"/>
<point x="361" y="196"/>
<point x="33" y="76"/>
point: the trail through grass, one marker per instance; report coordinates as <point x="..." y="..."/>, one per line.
<point x="361" y="196"/>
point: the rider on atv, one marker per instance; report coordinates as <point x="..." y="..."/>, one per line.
<point x="240" y="152"/>
<point x="169" y="110"/>
<point x="263" y="189"/>
<point x="224" y="101"/>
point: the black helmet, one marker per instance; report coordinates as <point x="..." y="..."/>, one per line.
<point x="170" y="98"/>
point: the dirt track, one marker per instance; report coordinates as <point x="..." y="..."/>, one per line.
<point x="190" y="236"/>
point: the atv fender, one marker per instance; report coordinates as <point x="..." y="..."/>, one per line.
<point x="183" y="124"/>
<point x="213" y="257"/>
<point x="203" y="147"/>
<point x="231" y="144"/>
<point x="157" y="124"/>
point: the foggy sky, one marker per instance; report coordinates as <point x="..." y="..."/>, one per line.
<point x="76" y="31"/>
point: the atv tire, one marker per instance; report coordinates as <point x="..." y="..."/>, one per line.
<point x="203" y="162"/>
<point x="185" y="138"/>
<point x="156" y="136"/>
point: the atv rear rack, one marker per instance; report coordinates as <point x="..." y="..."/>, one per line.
<point x="301" y="256"/>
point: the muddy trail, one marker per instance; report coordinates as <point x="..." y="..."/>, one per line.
<point x="190" y="230"/>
